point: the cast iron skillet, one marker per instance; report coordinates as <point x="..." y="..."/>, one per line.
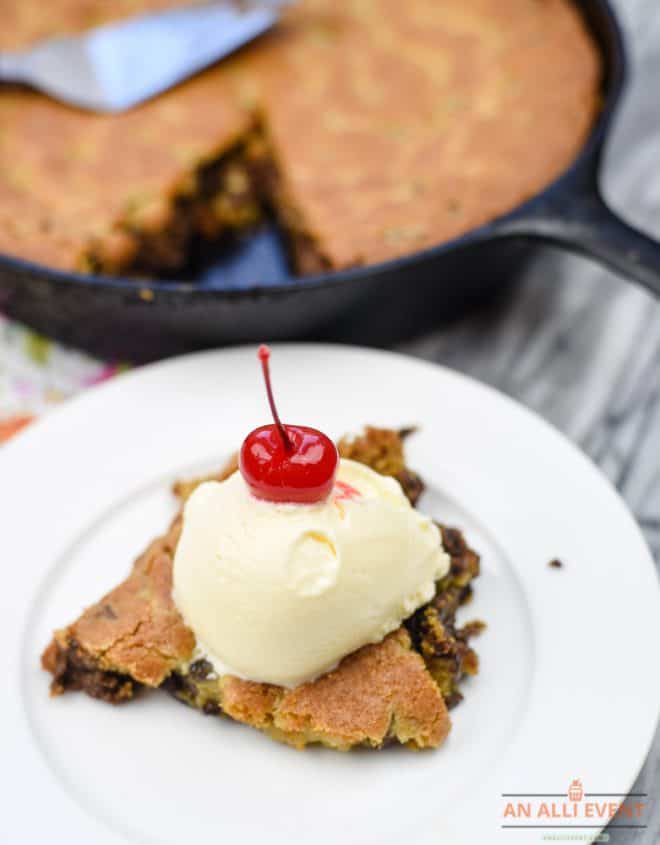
<point x="119" y="317"/>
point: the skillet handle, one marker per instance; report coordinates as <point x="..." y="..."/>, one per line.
<point x="574" y="215"/>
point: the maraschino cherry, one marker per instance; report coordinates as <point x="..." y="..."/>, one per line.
<point x="287" y="463"/>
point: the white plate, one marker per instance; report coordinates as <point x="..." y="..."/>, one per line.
<point x="567" y="687"/>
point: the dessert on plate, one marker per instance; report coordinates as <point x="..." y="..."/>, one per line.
<point x="299" y="591"/>
<point x="368" y="130"/>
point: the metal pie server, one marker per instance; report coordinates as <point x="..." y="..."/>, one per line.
<point x="114" y="67"/>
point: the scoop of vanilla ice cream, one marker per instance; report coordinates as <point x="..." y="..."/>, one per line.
<point x="281" y="593"/>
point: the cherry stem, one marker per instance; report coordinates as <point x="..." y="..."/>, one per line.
<point x="264" y="356"/>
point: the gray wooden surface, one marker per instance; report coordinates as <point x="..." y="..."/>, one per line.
<point x="581" y="346"/>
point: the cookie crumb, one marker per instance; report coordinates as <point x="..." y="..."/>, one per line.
<point x="555" y="563"/>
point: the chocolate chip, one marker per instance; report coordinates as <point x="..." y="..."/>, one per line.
<point x="200" y="670"/>
<point x="412" y="484"/>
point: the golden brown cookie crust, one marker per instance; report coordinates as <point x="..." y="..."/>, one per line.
<point x="393" y="127"/>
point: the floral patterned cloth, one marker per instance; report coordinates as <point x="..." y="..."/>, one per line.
<point x="36" y="374"/>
